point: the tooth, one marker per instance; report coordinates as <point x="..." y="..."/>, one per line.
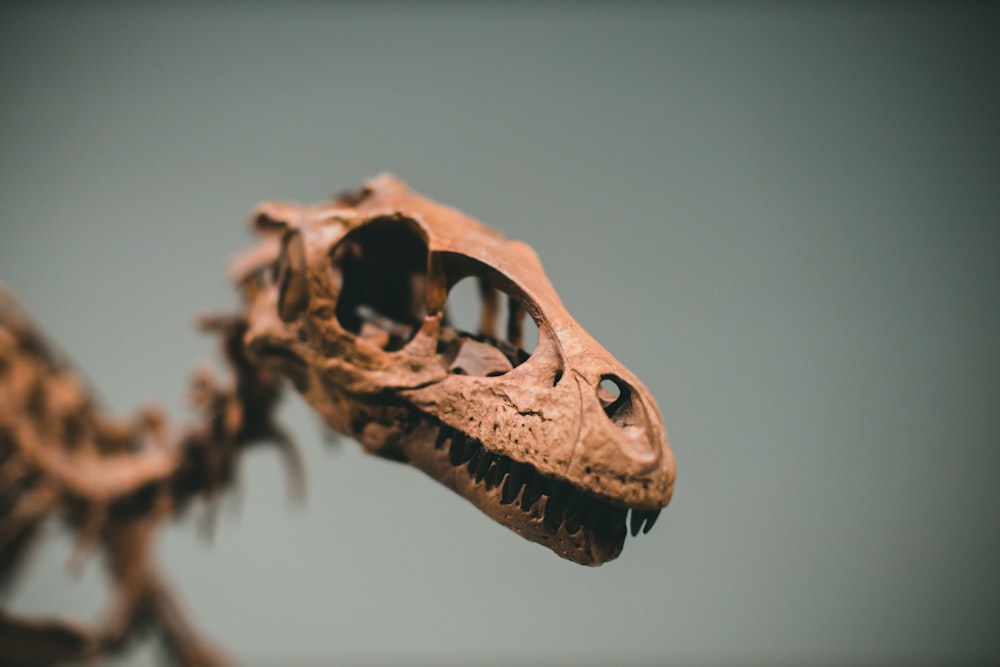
<point x="508" y="493"/>
<point x="492" y="478"/>
<point x="584" y="509"/>
<point x="555" y="505"/>
<point x="483" y="466"/>
<point x="442" y="436"/>
<point x="468" y="448"/>
<point x="575" y="511"/>
<point x="474" y="458"/>
<point x="651" y="518"/>
<point x="616" y="520"/>
<point x="536" y="485"/>
<point x="518" y="474"/>
<point x="500" y="468"/>
<point x="636" y="519"/>
<point x="515" y="480"/>
<point x="503" y="466"/>
<point x="457" y="452"/>
<point x="620" y="531"/>
<point x="595" y="517"/>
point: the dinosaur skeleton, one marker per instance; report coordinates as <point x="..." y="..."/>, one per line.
<point x="347" y="300"/>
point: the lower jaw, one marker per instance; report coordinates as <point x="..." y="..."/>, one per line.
<point x="572" y="539"/>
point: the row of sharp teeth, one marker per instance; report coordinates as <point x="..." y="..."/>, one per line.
<point x="520" y="482"/>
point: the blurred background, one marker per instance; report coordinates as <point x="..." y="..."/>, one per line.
<point x="783" y="217"/>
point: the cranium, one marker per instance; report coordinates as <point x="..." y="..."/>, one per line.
<point x="348" y="300"/>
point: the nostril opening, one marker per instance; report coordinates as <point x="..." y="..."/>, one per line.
<point x="608" y="391"/>
<point x="616" y="399"/>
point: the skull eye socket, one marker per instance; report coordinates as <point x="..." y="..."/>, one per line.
<point x="486" y="328"/>
<point x="383" y="281"/>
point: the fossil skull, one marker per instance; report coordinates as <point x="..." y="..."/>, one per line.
<point x="347" y="298"/>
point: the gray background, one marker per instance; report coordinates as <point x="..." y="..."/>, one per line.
<point x="783" y="217"/>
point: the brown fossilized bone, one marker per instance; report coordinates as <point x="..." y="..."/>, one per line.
<point x="347" y="300"/>
<point x="113" y="481"/>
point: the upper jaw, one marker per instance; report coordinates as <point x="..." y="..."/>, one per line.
<point x="543" y="509"/>
<point x="570" y="478"/>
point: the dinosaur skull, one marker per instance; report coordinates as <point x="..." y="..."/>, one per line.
<point x="347" y="299"/>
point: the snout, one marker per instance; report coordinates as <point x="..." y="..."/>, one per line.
<point x="623" y="449"/>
